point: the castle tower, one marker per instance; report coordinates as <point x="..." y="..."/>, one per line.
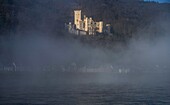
<point x="86" y="21"/>
<point x="77" y="18"/>
<point x="100" y="27"/>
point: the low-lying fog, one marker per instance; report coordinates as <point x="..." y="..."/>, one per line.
<point x="38" y="50"/>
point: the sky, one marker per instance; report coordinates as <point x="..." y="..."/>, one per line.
<point x="160" y="1"/>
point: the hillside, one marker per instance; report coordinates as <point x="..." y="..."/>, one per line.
<point x="125" y="16"/>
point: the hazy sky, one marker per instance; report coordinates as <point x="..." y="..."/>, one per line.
<point x="161" y="1"/>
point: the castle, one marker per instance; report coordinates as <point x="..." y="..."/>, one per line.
<point x="85" y="26"/>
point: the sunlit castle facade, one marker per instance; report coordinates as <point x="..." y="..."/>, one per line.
<point x="85" y="26"/>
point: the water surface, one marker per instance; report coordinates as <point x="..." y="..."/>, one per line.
<point x="84" y="89"/>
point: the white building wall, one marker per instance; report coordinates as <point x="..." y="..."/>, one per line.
<point x="77" y="18"/>
<point x="100" y="29"/>
<point x="86" y="21"/>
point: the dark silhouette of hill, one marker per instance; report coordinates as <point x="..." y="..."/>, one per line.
<point x="125" y="16"/>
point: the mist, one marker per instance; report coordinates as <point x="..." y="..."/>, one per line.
<point x="63" y="54"/>
<point x="41" y="43"/>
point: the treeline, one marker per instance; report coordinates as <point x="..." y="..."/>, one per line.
<point x="8" y="17"/>
<point x="45" y="16"/>
<point x="125" y="16"/>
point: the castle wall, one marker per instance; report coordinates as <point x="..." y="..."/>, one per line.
<point x="77" y="18"/>
<point x="86" y="26"/>
<point x="99" y="26"/>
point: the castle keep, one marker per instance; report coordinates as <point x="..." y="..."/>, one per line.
<point x="85" y="26"/>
